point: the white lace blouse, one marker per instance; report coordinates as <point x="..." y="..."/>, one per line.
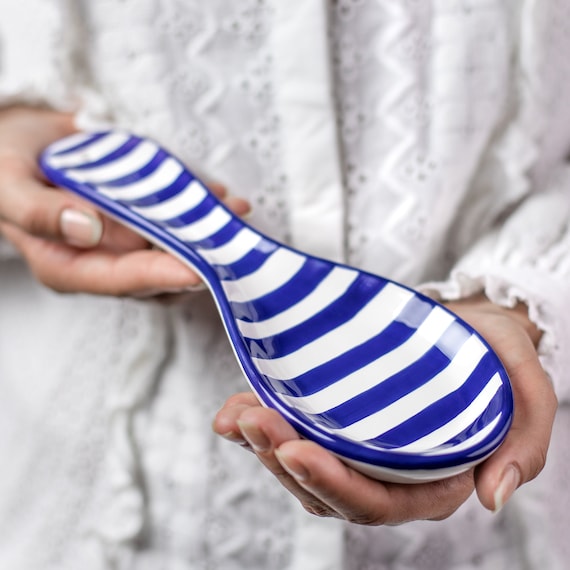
<point x="426" y="141"/>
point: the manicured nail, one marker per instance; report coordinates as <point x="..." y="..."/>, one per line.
<point x="507" y="486"/>
<point x="247" y="215"/>
<point x="196" y="288"/>
<point x="255" y="437"/>
<point x="295" y="469"/>
<point x="234" y="438"/>
<point x="186" y="289"/>
<point x="80" y="229"/>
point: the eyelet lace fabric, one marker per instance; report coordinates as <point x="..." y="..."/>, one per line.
<point x="435" y="151"/>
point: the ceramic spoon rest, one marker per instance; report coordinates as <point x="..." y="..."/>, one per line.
<point x="384" y="377"/>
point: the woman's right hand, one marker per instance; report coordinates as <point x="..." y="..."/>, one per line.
<point x="327" y="487"/>
<point x="66" y="243"/>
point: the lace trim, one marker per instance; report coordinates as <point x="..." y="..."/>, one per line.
<point x="538" y="277"/>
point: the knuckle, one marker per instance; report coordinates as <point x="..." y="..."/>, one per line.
<point x="12" y="167"/>
<point x="317" y="509"/>
<point x="445" y="514"/>
<point x="234" y="400"/>
<point x="47" y="279"/>
<point x="537" y="462"/>
<point x="34" y="219"/>
<point x="366" y="519"/>
<point x="552" y="402"/>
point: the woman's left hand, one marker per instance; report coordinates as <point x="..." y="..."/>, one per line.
<point x="327" y="487"/>
<point x="66" y="244"/>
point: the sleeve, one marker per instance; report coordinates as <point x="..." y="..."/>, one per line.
<point x="526" y="259"/>
<point x="524" y="254"/>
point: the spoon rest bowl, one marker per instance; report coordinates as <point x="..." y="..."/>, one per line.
<point x="384" y="377"/>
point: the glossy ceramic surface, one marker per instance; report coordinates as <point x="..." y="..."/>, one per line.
<point x="379" y="374"/>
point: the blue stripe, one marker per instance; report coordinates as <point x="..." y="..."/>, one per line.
<point x="492" y="410"/>
<point x="296" y="289"/>
<point x="443" y="411"/>
<point x="221" y="237"/>
<point x="192" y="216"/>
<point x="397" y="386"/>
<point x="248" y="264"/>
<point x="82" y="145"/>
<point x="337" y="368"/>
<point x="180" y="184"/>
<point x="124" y="149"/>
<point x="139" y="175"/>
<point x="354" y="300"/>
<point x="387" y="392"/>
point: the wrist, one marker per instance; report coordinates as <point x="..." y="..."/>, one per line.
<point x="519" y="313"/>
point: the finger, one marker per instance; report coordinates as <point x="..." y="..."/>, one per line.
<point x="523" y="453"/>
<point x="265" y="430"/>
<point x="32" y="129"/>
<point x="327" y="487"/>
<point x="242" y="398"/>
<point x="46" y="212"/>
<point x="226" y="420"/>
<point x="119" y="238"/>
<point x="362" y="500"/>
<point x="238" y="206"/>
<point x="97" y="271"/>
<point x="219" y="190"/>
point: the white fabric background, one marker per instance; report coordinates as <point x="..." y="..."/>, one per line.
<point x="425" y="141"/>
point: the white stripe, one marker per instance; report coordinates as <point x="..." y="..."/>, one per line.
<point x="368" y="322"/>
<point x="132" y="162"/>
<point x="441" y="385"/>
<point x="277" y="270"/>
<point x="161" y="178"/>
<point x="91" y="153"/>
<point x="458" y="424"/>
<point x="384" y="367"/>
<point x="333" y="286"/>
<point x="239" y="246"/>
<point x="205" y="227"/>
<point x="68" y="143"/>
<point x="184" y="201"/>
<point x="468" y="444"/>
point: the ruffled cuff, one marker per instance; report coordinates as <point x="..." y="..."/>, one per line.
<point x="36" y="54"/>
<point x="527" y="260"/>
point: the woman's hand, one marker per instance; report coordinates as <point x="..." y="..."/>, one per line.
<point x="327" y="487"/>
<point x="523" y="454"/>
<point x="66" y="243"/>
<point x="322" y="483"/>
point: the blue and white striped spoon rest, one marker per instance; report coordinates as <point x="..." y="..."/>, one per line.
<point x="384" y="377"/>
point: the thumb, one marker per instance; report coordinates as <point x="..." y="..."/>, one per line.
<point x="45" y="212"/>
<point x="523" y="453"/>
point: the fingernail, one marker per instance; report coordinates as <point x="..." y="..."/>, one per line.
<point x="196" y="288"/>
<point x="255" y="437"/>
<point x="234" y="438"/>
<point x="187" y="289"/>
<point x="507" y="486"/>
<point x="80" y="229"/>
<point x="295" y="469"/>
